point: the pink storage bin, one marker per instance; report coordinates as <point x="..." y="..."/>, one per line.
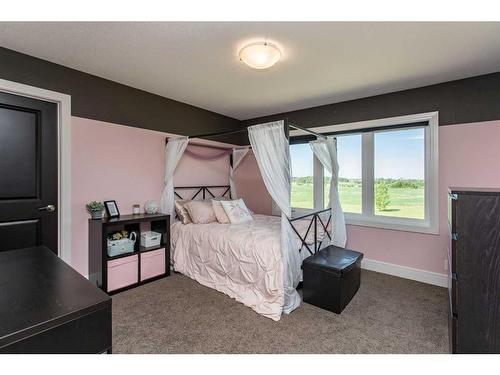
<point x="152" y="264"/>
<point x="122" y="272"/>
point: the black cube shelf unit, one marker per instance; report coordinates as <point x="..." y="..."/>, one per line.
<point x="98" y="254"/>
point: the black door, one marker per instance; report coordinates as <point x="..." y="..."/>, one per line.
<point x="28" y="172"/>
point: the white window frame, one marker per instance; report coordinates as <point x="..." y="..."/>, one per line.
<point x="429" y="225"/>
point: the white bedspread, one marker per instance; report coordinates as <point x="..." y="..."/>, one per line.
<point x="243" y="261"/>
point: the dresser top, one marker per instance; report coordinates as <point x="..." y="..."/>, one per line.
<point x="475" y="190"/>
<point x="40" y="291"/>
<point x="128" y="219"/>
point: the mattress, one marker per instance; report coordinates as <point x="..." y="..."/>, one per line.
<point x="243" y="261"/>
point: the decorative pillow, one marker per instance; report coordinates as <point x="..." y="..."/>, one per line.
<point x="237" y="211"/>
<point x="182" y="212"/>
<point x="220" y="214"/>
<point x="201" y="212"/>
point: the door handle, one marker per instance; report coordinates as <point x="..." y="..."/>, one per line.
<point x="49" y="208"/>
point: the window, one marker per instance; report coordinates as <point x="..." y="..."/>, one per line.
<point x="387" y="173"/>
<point x="399" y="183"/>
<point x="302" y="165"/>
<point x="349" y="159"/>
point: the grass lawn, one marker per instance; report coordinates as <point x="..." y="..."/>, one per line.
<point x="404" y="202"/>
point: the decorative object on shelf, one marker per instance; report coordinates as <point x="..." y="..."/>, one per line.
<point x="150" y="239"/>
<point x="121" y="242"/>
<point x="151" y="207"/>
<point x="95" y="208"/>
<point x="112" y="209"/>
<point x="136" y="209"/>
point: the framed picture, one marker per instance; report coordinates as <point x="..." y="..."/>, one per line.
<point x="111" y="209"/>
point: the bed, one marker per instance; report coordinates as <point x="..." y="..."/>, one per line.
<point x="243" y="261"/>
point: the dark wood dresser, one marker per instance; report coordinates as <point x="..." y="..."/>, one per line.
<point x="48" y="307"/>
<point x="474" y="270"/>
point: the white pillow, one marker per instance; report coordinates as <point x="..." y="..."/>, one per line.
<point x="237" y="211"/>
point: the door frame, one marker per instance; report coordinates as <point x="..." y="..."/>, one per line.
<point x="63" y="102"/>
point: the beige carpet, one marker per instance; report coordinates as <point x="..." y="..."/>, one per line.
<point x="178" y="315"/>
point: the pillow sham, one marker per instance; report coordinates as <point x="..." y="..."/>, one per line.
<point x="220" y="214"/>
<point x="236" y="211"/>
<point x="201" y="212"/>
<point x="182" y="212"/>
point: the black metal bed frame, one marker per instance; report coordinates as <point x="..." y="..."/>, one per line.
<point x="204" y="190"/>
<point x="315" y="217"/>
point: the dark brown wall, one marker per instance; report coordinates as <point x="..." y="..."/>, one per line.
<point x="100" y="99"/>
<point x="463" y="101"/>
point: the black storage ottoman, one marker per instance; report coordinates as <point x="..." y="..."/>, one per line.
<point x="331" y="278"/>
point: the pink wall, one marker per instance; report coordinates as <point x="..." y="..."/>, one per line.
<point x="469" y="156"/>
<point x="110" y="161"/>
<point x="192" y="171"/>
<point x="250" y="186"/>
<point x="126" y="164"/>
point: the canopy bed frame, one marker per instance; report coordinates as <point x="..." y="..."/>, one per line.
<point x="257" y="263"/>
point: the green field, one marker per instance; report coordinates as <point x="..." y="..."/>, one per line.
<point x="406" y="196"/>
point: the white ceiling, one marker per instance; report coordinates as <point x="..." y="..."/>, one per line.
<point x="322" y="63"/>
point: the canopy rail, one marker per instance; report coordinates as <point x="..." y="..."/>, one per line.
<point x="288" y="125"/>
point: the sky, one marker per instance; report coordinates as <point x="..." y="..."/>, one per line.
<point x="398" y="154"/>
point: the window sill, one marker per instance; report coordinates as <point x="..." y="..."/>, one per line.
<point x="404" y="225"/>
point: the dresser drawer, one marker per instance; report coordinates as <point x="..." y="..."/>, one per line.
<point x="452" y="199"/>
<point x="452" y="285"/>
<point x="88" y="334"/>
<point x="452" y="294"/>
<point x="453" y="333"/>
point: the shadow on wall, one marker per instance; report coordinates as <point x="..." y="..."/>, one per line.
<point x="251" y="188"/>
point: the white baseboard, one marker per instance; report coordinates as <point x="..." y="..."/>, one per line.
<point x="406" y="272"/>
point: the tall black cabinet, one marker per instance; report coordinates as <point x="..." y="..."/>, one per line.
<point x="474" y="270"/>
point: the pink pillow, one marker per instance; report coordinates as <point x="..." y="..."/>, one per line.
<point x="201" y="212"/>
<point x="220" y="214"/>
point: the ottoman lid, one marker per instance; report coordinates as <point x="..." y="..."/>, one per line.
<point x="333" y="259"/>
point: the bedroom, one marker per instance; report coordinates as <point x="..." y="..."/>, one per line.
<point x="301" y="198"/>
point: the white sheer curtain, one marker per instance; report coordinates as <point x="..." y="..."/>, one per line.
<point x="326" y="152"/>
<point x="270" y="147"/>
<point x="238" y="156"/>
<point x="173" y="153"/>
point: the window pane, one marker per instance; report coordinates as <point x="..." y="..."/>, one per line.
<point x="399" y="173"/>
<point x="302" y="176"/>
<point x="349" y="158"/>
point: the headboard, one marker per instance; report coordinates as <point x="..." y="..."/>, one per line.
<point x="202" y="192"/>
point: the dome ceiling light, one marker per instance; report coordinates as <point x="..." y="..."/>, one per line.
<point x="260" y="55"/>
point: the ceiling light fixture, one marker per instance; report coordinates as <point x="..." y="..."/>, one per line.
<point x="260" y="55"/>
